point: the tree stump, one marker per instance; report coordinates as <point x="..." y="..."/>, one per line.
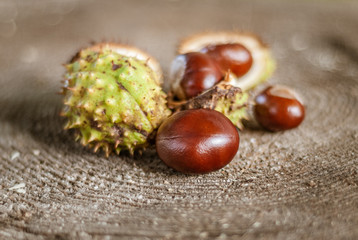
<point x="297" y="184"/>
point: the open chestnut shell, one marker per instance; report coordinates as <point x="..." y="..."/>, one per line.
<point x="197" y="141"/>
<point x="256" y="64"/>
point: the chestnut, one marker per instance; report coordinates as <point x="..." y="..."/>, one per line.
<point x="192" y="73"/>
<point x="231" y="56"/>
<point x="197" y="141"/>
<point x="278" y="108"/>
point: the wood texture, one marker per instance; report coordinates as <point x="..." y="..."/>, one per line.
<point x="299" y="184"/>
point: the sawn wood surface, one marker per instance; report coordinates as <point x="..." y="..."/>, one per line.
<point x="298" y="184"/>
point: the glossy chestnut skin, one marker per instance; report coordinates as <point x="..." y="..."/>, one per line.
<point x="233" y="56"/>
<point x="277" y="108"/>
<point x="201" y="73"/>
<point x="197" y="141"/>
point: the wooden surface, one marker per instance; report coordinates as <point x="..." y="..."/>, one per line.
<point x="299" y="184"/>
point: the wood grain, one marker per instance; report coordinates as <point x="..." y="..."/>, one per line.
<point x="298" y="184"/>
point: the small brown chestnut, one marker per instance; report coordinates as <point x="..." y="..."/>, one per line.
<point x="197" y="141"/>
<point x="232" y="56"/>
<point x="278" y="108"/>
<point x="193" y="73"/>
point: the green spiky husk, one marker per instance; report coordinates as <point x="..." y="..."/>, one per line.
<point x="224" y="98"/>
<point x="113" y="101"/>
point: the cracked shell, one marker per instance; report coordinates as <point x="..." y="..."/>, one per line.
<point x="263" y="65"/>
<point x="113" y="98"/>
<point x="224" y="98"/>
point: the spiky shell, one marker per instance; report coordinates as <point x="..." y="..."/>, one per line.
<point x="130" y="51"/>
<point x="114" y="101"/>
<point x="263" y="63"/>
<point x="225" y="98"/>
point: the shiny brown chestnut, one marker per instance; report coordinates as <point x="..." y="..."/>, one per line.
<point x="232" y="56"/>
<point x="193" y="73"/>
<point x="278" y="108"/>
<point x="197" y="141"/>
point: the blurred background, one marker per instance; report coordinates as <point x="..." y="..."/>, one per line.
<point x="37" y="36"/>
